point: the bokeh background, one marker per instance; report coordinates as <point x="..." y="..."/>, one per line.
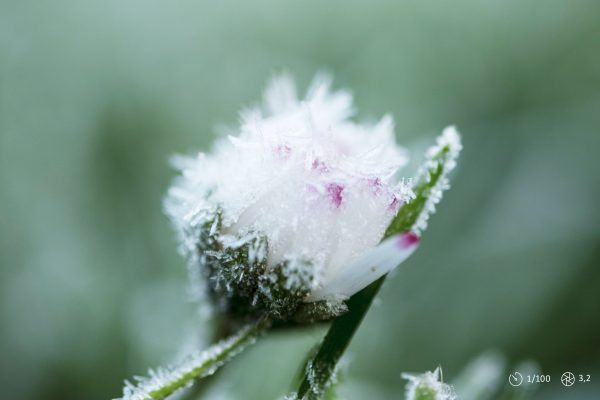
<point x="96" y="95"/>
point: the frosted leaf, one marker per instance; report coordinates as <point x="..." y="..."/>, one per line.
<point x="162" y="382"/>
<point x="319" y="386"/>
<point x="428" y="386"/>
<point x="323" y="385"/>
<point x="429" y="185"/>
<point x="443" y="155"/>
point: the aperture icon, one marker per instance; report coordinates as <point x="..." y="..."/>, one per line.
<point x="567" y="379"/>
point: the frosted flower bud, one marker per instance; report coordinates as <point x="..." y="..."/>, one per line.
<point x="428" y="386"/>
<point x="286" y="214"/>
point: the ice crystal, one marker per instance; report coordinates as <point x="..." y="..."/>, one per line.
<point x="319" y="386"/>
<point x="283" y="287"/>
<point x="292" y="207"/>
<point x="321" y="310"/>
<point x="162" y="382"/>
<point x="443" y="155"/>
<point x="428" y="386"/>
<point x="322" y="386"/>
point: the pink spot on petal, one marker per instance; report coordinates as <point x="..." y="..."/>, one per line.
<point x="407" y="240"/>
<point x="311" y="189"/>
<point x="320" y="166"/>
<point x="283" y="151"/>
<point x="334" y="191"/>
<point x="395" y="204"/>
<point x="375" y="185"/>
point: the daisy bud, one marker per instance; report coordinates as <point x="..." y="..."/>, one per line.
<point x="428" y="386"/>
<point x="286" y="215"/>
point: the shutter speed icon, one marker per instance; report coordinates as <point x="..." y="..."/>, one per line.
<point x="515" y="379"/>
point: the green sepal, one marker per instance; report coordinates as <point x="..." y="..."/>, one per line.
<point x="409" y="213"/>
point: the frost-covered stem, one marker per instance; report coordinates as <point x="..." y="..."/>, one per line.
<point x="165" y="381"/>
<point x="320" y="370"/>
<point x="412" y="217"/>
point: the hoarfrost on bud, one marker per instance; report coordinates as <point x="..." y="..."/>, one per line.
<point x="290" y="209"/>
<point x="428" y="386"/>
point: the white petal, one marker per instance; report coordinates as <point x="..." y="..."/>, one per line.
<point x="280" y="95"/>
<point x="367" y="267"/>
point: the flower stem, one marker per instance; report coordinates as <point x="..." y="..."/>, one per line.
<point x="322" y="366"/>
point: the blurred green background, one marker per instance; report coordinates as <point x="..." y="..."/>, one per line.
<point x="96" y="95"/>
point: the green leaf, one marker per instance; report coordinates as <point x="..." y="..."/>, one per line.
<point x="165" y="381"/>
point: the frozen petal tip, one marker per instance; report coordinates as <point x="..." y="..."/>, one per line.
<point x="368" y="267"/>
<point x="407" y="240"/>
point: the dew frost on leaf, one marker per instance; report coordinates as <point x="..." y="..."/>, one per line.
<point x="443" y="155"/>
<point x="428" y="386"/>
<point x="162" y="382"/>
<point x="319" y="384"/>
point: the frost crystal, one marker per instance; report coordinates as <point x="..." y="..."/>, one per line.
<point x="285" y="211"/>
<point x="428" y="386"/>
<point x="162" y="382"/>
<point x="443" y="155"/>
<point x="319" y="384"/>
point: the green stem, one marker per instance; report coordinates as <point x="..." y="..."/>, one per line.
<point x="336" y="341"/>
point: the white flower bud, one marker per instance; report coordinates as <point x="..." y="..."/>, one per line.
<point x="312" y="189"/>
